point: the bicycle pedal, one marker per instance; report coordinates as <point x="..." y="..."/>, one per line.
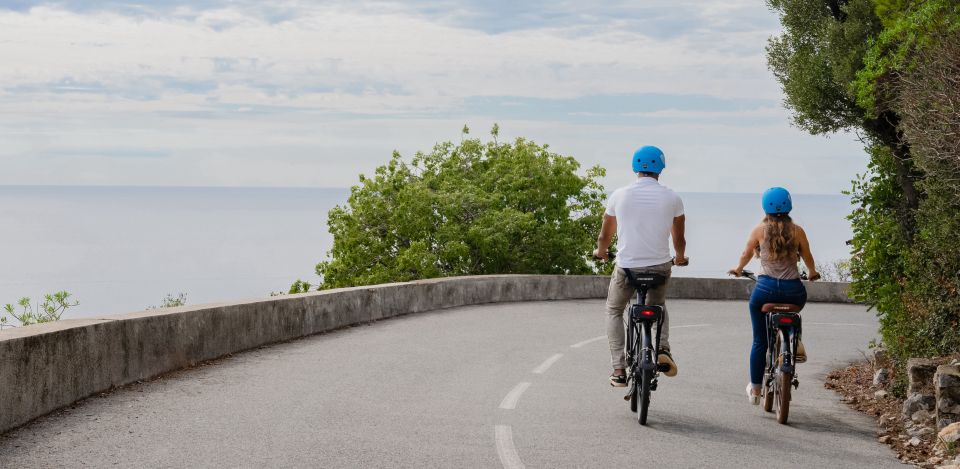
<point x="653" y="385"/>
<point x="795" y="383"/>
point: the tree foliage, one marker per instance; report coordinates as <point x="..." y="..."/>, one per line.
<point x="466" y="209"/>
<point x="890" y="70"/>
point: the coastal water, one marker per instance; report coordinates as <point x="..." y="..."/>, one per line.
<point x="121" y="249"/>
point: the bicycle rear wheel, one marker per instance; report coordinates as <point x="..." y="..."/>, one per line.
<point x="634" y="394"/>
<point x="646" y="377"/>
<point x="784" y="383"/>
<point x="769" y="378"/>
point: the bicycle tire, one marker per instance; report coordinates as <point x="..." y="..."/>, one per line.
<point x="782" y="383"/>
<point x="646" y="377"/>
<point x="768" y="381"/>
<point x="767" y="396"/>
<point x="634" y="395"/>
<point x="783" y="397"/>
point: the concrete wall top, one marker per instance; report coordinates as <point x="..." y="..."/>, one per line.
<point x="48" y="366"/>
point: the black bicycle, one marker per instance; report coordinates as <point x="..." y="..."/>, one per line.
<point x="783" y="336"/>
<point x="643" y="348"/>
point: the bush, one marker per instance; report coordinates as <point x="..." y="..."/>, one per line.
<point x="171" y="301"/>
<point x="467" y="209"/>
<point x="52" y="308"/>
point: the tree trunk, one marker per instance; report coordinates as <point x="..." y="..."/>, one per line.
<point x="886" y="129"/>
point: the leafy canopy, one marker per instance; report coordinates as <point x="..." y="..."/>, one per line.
<point x="466" y="209"/>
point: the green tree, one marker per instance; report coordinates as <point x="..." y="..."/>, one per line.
<point x="466" y="209"/>
<point x="890" y="70"/>
<point x="817" y="60"/>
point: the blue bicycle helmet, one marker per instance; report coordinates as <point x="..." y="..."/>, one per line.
<point x="776" y="200"/>
<point x="648" y="159"/>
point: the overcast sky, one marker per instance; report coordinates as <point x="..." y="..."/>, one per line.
<point x="291" y="93"/>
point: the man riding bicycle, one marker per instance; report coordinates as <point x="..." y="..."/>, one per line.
<point x="643" y="215"/>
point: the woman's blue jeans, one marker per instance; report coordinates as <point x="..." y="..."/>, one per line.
<point x="769" y="290"/>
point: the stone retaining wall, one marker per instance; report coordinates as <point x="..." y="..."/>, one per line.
<point x="48" y="366"/>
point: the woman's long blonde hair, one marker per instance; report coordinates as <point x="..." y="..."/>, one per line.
<point x="779" y="236"/>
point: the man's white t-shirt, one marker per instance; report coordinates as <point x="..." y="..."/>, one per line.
<point x="645" y="211"/>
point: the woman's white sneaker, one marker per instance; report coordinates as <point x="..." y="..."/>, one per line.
<point x="753" y="398"/>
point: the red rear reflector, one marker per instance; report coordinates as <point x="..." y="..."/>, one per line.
<point x="786" y="320"/>
<point x="647" y="312"/>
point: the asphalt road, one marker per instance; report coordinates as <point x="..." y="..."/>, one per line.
<point x="509" y="385"/>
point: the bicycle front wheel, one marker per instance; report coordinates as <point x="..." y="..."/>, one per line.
<point x="646" y="378"/>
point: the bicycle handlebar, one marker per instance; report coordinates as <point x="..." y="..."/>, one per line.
<point x="750" y="275"/>
<point x="673" y="260"/>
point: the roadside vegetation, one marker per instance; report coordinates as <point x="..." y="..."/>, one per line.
<point x="888" y="70"/>
<point x="469" y="208"/>
<point x="171" y="301"/>
<point x="25" y="312"/>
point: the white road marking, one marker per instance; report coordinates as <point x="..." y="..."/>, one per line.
<point x="510" y="401"/>
<point x="546" y="364"/>
<point x="598" y="338"/>
<point x="588" y="341"/>
<point x="505" y="449"/>
<point x="837" y="324"/>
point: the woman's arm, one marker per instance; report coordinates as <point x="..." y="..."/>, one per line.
<point x="806" y="255"/>
<point x="753" y="242"/>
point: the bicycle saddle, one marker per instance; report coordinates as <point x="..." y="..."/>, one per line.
<point x="781" y="308"/>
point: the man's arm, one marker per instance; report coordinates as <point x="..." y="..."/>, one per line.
<point x="679" y="241"/>
<point x="607" y="230"/>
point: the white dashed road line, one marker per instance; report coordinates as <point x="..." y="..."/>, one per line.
<point x="547" y="363"/>
<point x="588" y="341"/>
<point x="510" y="401"/>
<point x="505" y="449"/>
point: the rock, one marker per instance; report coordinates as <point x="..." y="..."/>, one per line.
<point x="921" y="416"/>
<point x="881" y="377"/>
<point x="914" y="441"/>
<point x="920" y="372"/>
<point x="948" y="406"/>
<point x="879" y="355"/>
<point x="934" y="460"/>
<point x="919" y="431"/>
<point x="950" y="433"/>
<point x="917" y="402"/>
<point x="947" y="392"/>
<point x="880" y="394"/>
<point x="884" y="439"/>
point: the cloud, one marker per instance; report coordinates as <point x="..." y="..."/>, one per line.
<point x="229" y="92"/>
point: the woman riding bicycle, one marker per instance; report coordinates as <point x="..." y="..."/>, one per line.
<point x="780" y="244"/>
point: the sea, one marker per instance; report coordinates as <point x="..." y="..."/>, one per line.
<point x="123" y="249"/>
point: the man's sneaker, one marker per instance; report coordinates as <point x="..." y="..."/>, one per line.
<point x="801" y="353"/>
<point x="618" y="381"/>
<point x="664" y="358"/>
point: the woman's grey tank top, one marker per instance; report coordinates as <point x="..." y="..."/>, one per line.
<point x="784" y="269"/>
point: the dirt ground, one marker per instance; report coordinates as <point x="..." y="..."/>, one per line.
<point x="911" y="441"/>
